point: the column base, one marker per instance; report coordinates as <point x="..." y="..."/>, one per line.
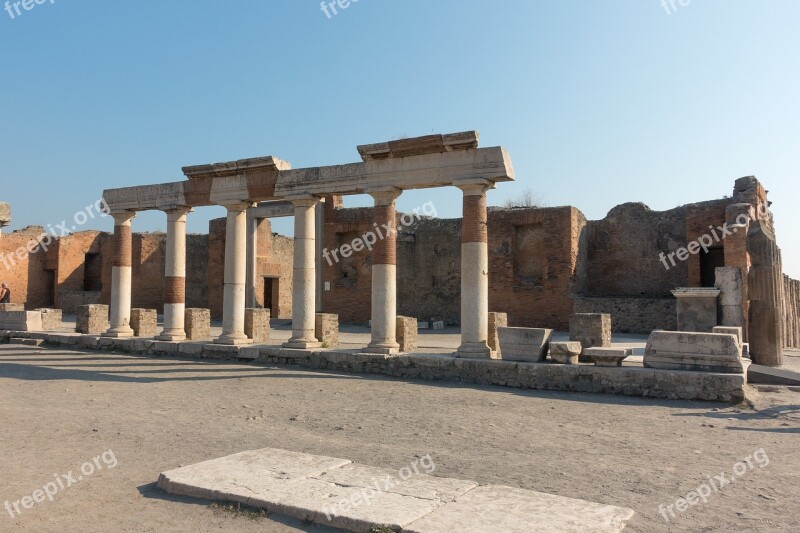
<point x="302" y="344"/>
<point x="382" y="348"/>
<point x="171" y="336"/>
<point x="474" y="350"/>
<point x="233" y="339"/>
<point x="119" y="333"/>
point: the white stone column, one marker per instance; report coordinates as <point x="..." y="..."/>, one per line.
<point x="252" y="260"/>
<point x="121" y="276"/>
<point x="474" y="270"/>
<point x="175" y="276"/>
<point x="304" y="281"/>
<point x="384" y="274"/>
<point x="235" y="276"/>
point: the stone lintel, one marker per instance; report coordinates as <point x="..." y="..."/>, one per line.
<point x="235" y="168"/>
<point x="428" y="144"/>
<point x="692" y="292"/>
<point x="274" y="209"/>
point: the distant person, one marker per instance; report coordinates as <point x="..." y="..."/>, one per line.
<point x="5" y="294"/>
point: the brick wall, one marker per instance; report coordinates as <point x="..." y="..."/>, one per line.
<point x="28" y="278"/>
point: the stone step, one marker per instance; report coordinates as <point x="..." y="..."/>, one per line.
<point x="339" y="493"/>
<point x="25" y="342"/>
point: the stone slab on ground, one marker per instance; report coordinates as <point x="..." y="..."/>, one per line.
<point x="511" y="510"/>
<point x="702" y="352"/>
<point x="765" y="375"/>
<point x="339" y="493"/>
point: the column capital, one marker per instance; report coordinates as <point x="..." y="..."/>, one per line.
<point x="178" y="212"/>
<point x="238" y="206"/>
<point x="303" y="200"/>
<point x="384" y="195"/>
<point x="474" y="186"/>
<point x="123" y="217"/>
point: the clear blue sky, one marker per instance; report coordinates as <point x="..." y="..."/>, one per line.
<point x="599" y="103"/>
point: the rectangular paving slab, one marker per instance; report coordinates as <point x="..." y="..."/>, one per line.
<point x="339" y="493"/>
<point x="510" y="510"/>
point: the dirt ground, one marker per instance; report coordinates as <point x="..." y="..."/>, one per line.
<point x="61" y="409"/>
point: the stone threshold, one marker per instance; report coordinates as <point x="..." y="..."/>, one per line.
<point x="584" y="378"/>
<point x="342" y="494"/>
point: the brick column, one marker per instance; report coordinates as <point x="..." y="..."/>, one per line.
<point x="304" y="281"/>
<point x="175" y="276"/>
<point x="384" y="274"/>
<point x="235" y="276"/>
<point x="474" y="270"/>
<point x="121" y="274"/>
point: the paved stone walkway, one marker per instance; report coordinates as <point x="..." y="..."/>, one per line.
<point x="342" y="494"/>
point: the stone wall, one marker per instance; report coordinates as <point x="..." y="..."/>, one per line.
<point x="632" y="315"/>
<point x="29" y="276"/>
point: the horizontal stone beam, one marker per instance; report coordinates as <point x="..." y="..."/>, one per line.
<point x="276" y="209"/>
<point x="5" y="214"/>
<point x="416" y="172"/>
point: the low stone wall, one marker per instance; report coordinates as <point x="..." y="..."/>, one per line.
<point x="633" y="315"/>
<point x="627" y="380"/>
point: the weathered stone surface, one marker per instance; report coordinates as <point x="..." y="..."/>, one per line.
<point x="198" y="324"/>
<point x="326" y="329"/>
<point x="5" y="214"/>
<point x="407" y="333"/>
<point x="524" y="344"/>
<point x="21" y="320"/>
<point x="608" y="356"/>
<point x="256" y="325"/>
<point x="697" y="309"/>
<point x="731" y="300"/>
<point x="51" y="319"/>
<point x="144" y="322"/>
<point x="92" y="319"/>
<point x="703" y="352"/>
<point x="12" y="307"/>
<point x="590" y="329"/>
<point x="438" y="325"/>
<point x="565" y="353"/>
<point x="512" y="510"/>
<point x="729" y="330"/>
<point x="496" y="320"/>
<point x="765" y="291"/>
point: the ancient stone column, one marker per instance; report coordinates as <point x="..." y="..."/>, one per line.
<point x="474" y="270"/>
<point x="384" y="273"/>
<point x="235" y="275"/>
<point x="765" y="290"/>
<point x="252" y="260"/>
<point x="175" y="276"/>
<point x="121" y="276"/>
<point x="304" y="281"/>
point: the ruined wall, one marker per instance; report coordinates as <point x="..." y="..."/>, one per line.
<point x="632" y="315"/>
<point x="535" y="264"/>
<point x="26" y="274"/>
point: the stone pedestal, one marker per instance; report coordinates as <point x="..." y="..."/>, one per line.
<point x="326" y="329"/>
<point x="198" y="324"/>
<point x="565" y="353"/>
<point x="256" y="325"/>
<point x="407" y="333"/>
<point x="697" y="309"/>
<point x="144" y="322"/>
<point x="51" y="319"/>
<point x="496" y="320"/>
<point x="591" y="329"/>
<point x="92" y="319"/>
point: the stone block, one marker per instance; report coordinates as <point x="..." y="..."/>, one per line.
<point x="51" y="319"/>
<point x="697" y="309"/>
<point x="21" y="320"/>
<point x="326" y="329"/>
<point x="496" y="320"/>
<point x="746" y="350"/>
<point x="198" y="324"/>
<point x="701" y="352"/>
<point x="524" y="344"/>
<point x="612" y="357"/>
<point x="591" y="329"/>
<point x="144" y="322"/>
<point x="256" y="325"/>
<point x="407" y="333"/>
<point x="12" y="307"/>
<point x="92" y="319"/>
<point x="438" y="325"/>
<point x="728" y="330"/>
<point x="424" y="325"/>
<point x="565" y="353"/>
